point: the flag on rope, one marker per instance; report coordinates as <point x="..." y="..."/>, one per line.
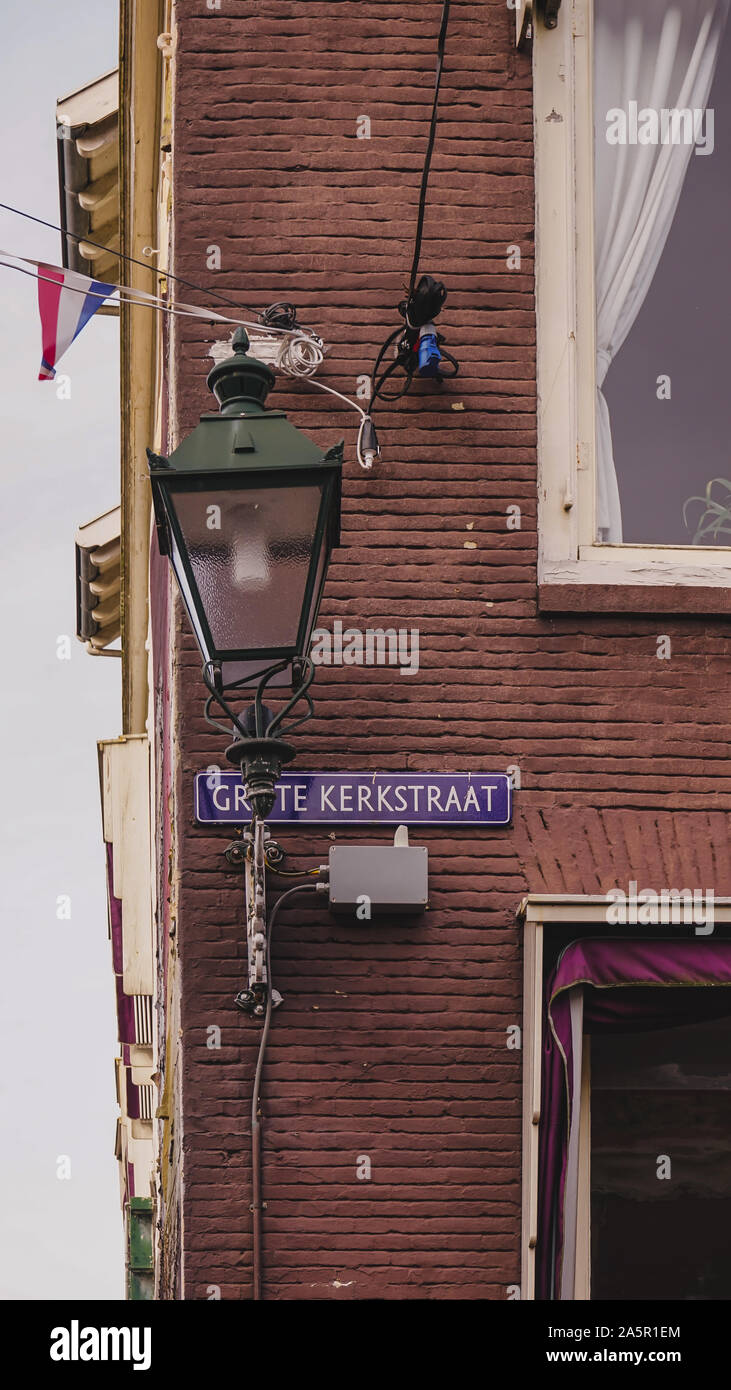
<point x="66" y="300"/>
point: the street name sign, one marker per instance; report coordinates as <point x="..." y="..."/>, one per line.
<point x="362" y="798"/>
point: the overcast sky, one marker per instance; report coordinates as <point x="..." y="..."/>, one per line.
<point x="60" y="467"/>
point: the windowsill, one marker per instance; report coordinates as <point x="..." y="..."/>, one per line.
<point x="609" y="597"/>
<point x="637" y="579"/>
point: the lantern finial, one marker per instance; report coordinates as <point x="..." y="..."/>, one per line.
<point x="241" y="383"/>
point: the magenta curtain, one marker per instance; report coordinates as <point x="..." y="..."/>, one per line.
<point x="628" y="987"/>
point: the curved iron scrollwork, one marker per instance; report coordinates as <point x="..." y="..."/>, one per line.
<point x="259" y="748"/>
<point x="259" y="725"/>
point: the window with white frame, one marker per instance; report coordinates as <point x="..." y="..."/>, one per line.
<point x="633" y="283"/>
<point x="626" y="1080"/>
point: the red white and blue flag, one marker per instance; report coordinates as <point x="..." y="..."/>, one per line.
<point x="66" y="300"/>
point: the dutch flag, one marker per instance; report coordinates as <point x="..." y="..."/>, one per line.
<point x="66" y="300"/>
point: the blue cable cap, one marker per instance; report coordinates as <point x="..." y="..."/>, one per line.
<point x="429" y="355"/>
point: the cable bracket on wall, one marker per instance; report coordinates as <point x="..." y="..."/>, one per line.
<point x="254" y="855"/>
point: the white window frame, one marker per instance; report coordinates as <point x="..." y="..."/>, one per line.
<point x="539" y="912"/>
<point x="568" y="552"/>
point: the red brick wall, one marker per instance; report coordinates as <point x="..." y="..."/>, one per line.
<point x="392" y="1038"/>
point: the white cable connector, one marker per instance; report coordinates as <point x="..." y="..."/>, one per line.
<point x="367" y="448"/>
<point x="364" y="420"/>
<point x="366" y="455"/>
<point x="365" y="460"/>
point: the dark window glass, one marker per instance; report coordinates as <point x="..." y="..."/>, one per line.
<point x="661" y="1164"/>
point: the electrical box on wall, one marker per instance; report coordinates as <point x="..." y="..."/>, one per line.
<point x="386" y="879"/>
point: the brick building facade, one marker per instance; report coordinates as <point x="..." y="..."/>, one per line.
<point x="393" y="1041"/>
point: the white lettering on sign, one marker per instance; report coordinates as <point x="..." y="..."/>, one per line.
<point x="354" y="795"/>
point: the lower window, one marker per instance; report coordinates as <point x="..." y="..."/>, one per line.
<point x="626" y="1103"/>
<point x="661" y="1163"/>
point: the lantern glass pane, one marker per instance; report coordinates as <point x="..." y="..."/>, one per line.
<point x="250" y="552"/>
<point x="187" y="595"/>
<point x="314" y="601"/>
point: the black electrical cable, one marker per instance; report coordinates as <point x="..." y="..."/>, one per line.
<point x="405" y="351"/>
<point x="256" y="1206"/>
<point x="282" y="315"/>
<point x="121" y="256"/>
<point x="377" y="390"/>
<point x="430" y="144"/>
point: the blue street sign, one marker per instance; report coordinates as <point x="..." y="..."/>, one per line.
<point x="363" y="798"/>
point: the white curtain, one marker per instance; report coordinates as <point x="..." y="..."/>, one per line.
<point x="661" y="55"/>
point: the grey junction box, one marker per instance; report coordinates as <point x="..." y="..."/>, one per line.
<point x="394" y="877"/>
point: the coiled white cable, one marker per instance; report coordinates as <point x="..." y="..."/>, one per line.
<point x="300" y="354"/>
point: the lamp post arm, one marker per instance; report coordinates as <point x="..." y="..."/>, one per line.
<point x="253" y="1000"/>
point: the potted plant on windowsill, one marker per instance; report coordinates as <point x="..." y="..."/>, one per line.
<point x="714" y="521"/>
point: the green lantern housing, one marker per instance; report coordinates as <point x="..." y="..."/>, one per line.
<point x="248" y="510"/>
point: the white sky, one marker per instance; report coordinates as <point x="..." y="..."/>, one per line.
<point x="60" y="466"/>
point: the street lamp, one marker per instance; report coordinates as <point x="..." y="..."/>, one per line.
<point x="248" y="510"/>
